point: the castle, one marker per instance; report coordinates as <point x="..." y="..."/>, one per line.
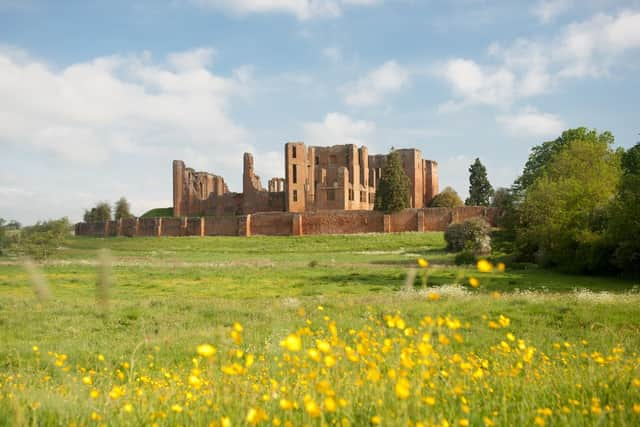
<point x="340" y="177"/>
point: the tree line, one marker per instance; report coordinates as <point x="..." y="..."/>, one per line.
<point x="102" y="211"/>
<point x="575" y="206"/>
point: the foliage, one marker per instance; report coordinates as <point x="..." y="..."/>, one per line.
<point x="472" y="235"/>
<point x="624" y="221"/>
<point x="465" y="257"/>
<point x="562" y="210"/>
<point x="100" y="213"/>
<point x="200" y="333"/>
<point x="542" y="155"/>
<point x="158" y="213"/>
<point x="3" y="236"/>
<point x="447" y="198"/>
<point x="504" y="199"/>
<point x="42" y="239"/>
<point x="392" y="194"/>
<point x="480" y="190"/>
<point x="122" y="209"/>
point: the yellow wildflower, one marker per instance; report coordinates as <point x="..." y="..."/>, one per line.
<point x="292" y="343"/>
<point x="176" y="408"/>
<point x="376" y="420"/>
<point x="473" y="282"/>
<point x="206" y="350"/>
<point x="312" y="407"/>
<point x="403" y="388"/>
<point x="256" y="416"/>
<point x="423" y="263"/>
<point x="484" y="266"/>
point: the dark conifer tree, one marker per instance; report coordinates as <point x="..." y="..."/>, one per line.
<point x="480" y="190"/>
<point x="392" y="194"/>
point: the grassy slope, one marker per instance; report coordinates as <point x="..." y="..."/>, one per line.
<point x="158" y="213"/>
<point x="178" y="292"/>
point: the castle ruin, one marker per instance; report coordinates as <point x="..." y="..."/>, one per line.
<point x="340" y="177"/>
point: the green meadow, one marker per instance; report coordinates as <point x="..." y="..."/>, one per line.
<point x="312" y="330"/>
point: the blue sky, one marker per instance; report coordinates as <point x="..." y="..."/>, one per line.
<point x="97" y="97"/>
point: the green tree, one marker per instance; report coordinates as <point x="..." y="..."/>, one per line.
<point x="122" y="209"/>
<point x="624" y="222"/>
<point x="392" y="194"/>
<point x="542" y="155"/>
<point x="43" y="238"/>
<point x="447" y="198"/>
<point x="100" y="213"/>
<point x="480" y="190"/>
<point x="561" y="214"/>
<point x="3" y="236"/>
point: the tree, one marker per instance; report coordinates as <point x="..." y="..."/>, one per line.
<point x="392" y="194"/>
<point x="43" y="238"/>
<point x="624" y="221"/>
<point x="480" y="190"/>
<point x="542" y="155"/>
<point x="100" y="213"/>
<point x="447" y="198"/>
<point x="561" y="214"/>
<point x="122" y="209"/>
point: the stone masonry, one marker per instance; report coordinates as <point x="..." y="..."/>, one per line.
<point x="337" y="178"/>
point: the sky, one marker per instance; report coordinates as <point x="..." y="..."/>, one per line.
<point x="97" y="97"/>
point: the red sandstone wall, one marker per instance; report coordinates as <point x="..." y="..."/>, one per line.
<point x="221" y="226"/>
<point x="193" y="227"/>
<point x="172" y="227"/>
<point x="281" y="223"/>
<point x="339" y="222"/>
<point x="465" y="212"/>
<point x="436" y="219"/>
<point x="129" y="227"/>
<point x="407" y="220"/>
<point x="148" y="226"/>
<point x="271" y="224"/>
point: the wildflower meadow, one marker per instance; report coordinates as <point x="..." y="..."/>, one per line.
<point x="333" y="330"/>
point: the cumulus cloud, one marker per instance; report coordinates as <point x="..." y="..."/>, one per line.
<point x="301" y="9"/>
<point x="88" y="111"/>
<point x="337" y="128"/>
<point x="370" y="90"/>
<point x="548" y="10"/>
<point x="474" y="84"/>
<point x="527" y="67"/>
<point x="531" y="123"/>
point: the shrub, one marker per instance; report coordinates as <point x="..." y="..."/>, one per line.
<point x="472" y="235"/>
<point x="447" y="198"/>
<point x="43" y="238"/>
<point x="465" y="257"/>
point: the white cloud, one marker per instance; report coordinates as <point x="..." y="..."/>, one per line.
<point x="89" y="111"/>
<point x="301" y="9"/>
<point x="531" y="123"/>
<point x="370" y="90"/>
<point x="337" y="128"/>
<point x="528" y="67"/>
<point x="548" y="10"/>
<point x="334" y="54"/>
<point x="474" y="84"/>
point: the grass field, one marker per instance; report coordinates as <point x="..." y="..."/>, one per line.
<point x="312" y="331"/>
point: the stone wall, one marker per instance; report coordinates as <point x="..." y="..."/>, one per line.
<point x="286" y="223"/>
<point x="271" y="224"/>
<point x="341" y="222"/>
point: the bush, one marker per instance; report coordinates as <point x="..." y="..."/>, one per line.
<point x="472" y="235"/>
<point x="42" y="239"/>
<point x="447" y="198"/>
<point x="465" y="257"/>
